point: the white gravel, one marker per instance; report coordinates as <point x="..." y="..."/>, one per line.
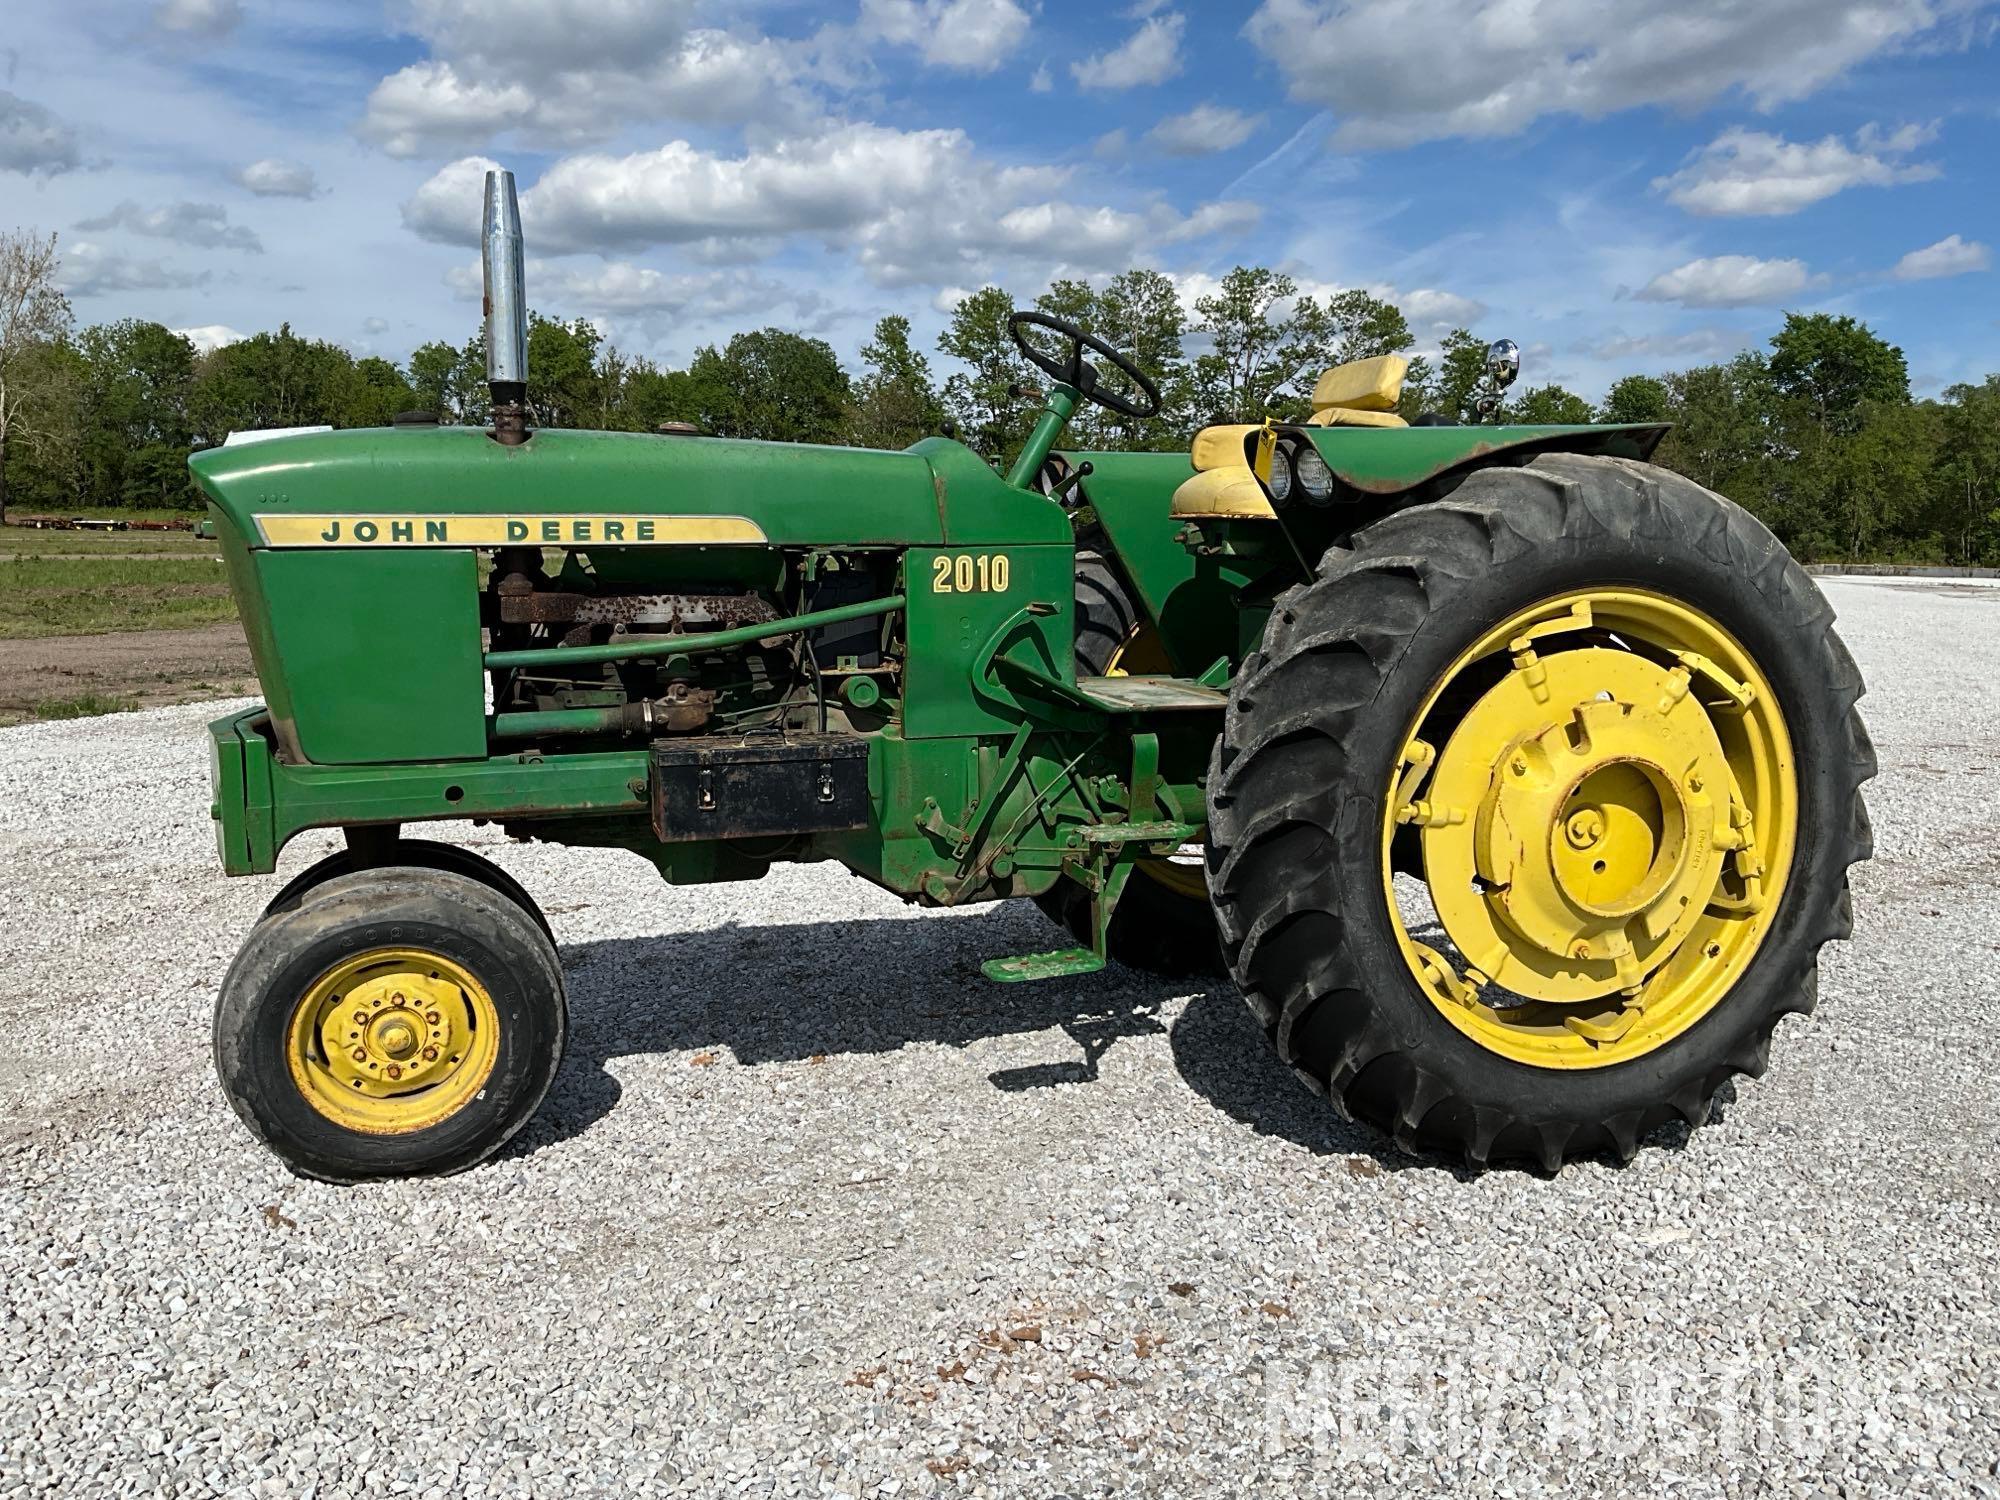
<point x="815" y="1210"/>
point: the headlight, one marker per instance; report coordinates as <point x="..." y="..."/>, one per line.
<point x="1315" y="478"/>
<point x="1281" y="474"/>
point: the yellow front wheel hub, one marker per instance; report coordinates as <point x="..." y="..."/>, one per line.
<point x="393" y="1041"/>
<point x="1605" y="820"/>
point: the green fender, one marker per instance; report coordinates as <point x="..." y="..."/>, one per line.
<point x="1191" y="598"/>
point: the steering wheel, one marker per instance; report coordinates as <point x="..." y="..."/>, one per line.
<point x="1080" y="372"/>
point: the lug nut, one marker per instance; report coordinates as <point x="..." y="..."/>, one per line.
<point x="1581" y="950"/>
<point x="394" y="1071"/>
<point x="361" y="1018"/>
<point x="431" y="1017"/>
<point x="430" y="1054"/>
<point x="396" y="998"/>
<point x="359" y="1055"/>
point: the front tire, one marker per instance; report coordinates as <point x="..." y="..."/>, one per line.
<point x="395" y="1022"/>
<point x="1645" y="959"/>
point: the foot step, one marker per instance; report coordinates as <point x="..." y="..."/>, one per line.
<point x="1042" y="966"/>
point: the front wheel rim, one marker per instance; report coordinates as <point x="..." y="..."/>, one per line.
<point x="1604" y="795"/>
<point x="393" y="1041"/>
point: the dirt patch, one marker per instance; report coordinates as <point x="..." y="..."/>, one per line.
<point x="140" y="669"/>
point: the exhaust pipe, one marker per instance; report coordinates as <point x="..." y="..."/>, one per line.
<point x="506" y="310"/>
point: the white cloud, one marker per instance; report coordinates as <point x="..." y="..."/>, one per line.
<point x="1950" y="256"/>
<point x="1204" y="129"/>
<point x="972" y="36"/>
<point x="1731" y="281"/>
<point x="917" y="207"/>
<point x="570" y="71"/>
<point x="1696" y="342"/>
<point x="1747" y="172"/>
<point x="374" y="327"/>
<point x="203" y="18"/>
<point x="1432" y="313"/>
<point x="34" y="139"/>
<point x="210" y="336"/>
<point x="1042" y="81"/>
<point x="1150" y="55"/>
<point x="623" y="289"/>
<point x="274" y="177"/>
<point x="205" y="226"/>
<point x="1428" y="69"/>
<point x="88" y="270"/>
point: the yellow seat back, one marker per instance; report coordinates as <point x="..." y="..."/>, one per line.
<point x="1365" y="385"/>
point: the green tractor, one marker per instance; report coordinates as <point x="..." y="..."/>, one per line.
<point x="1513" y="780"/>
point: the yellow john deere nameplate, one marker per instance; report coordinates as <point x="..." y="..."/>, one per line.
<point x="506" y="531"/>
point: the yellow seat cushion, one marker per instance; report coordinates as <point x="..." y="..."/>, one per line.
<point x="1231" y="490"/>
<point x="1341" y="416"/>
<point x="1223" y="446"/>
<point x="1365" y="385"/>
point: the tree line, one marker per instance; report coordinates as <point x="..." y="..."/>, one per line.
<point x="1818" y="434"/>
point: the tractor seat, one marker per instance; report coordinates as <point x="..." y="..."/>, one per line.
<point x="1364" y="393"/>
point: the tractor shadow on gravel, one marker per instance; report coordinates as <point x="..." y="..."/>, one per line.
<point x="794" y="992"/>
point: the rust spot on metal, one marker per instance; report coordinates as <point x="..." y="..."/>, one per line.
<point x="673" y="611"/>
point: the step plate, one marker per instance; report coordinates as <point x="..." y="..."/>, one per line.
<point x="1136" y="695"/>
<point x="1041" y="966"/>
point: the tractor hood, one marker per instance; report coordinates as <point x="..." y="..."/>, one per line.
<point x="457" y="487"/>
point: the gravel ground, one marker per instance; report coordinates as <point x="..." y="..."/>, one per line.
<point x="814" y="1210"/>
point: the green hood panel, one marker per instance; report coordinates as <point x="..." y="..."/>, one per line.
<point x="794" y="494"/>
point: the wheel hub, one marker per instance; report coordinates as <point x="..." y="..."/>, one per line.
<point x="393" y="1041"/>
<point x="1590" y="849"/>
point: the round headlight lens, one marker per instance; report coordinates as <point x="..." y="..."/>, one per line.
<point x="1315" y="478"/>
<point x="1281" y="474"/>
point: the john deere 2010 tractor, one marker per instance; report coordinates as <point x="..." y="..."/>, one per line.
<point x="1513" y="780"/>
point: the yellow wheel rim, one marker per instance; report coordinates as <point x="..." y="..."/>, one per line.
<point x="1185" y="871"/>
<point x="393" y="1041"/>
<point x="1603" y="792"/>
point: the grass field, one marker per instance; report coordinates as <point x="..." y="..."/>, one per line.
<point x="18" y="541"/>
<point x="51" y="596"/>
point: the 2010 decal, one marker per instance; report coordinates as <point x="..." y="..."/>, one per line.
<point x="970" y="573"/>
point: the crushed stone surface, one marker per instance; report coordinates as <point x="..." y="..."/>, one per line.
<point x="814" y="1210"/>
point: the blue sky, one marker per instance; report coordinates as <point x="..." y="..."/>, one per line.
<point x="1617" y="184"/>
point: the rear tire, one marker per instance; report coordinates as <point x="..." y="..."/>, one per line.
<point x="1315" y="739"/>
<point x="393" y="1023"/>
<point x="1155" y="927"/>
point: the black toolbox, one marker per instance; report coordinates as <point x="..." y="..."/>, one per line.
<point x="724" y="787"/>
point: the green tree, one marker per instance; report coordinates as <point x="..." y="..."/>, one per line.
<point x="1721" y="437"/>
<point x="774" y="385"/>
<point x="990" y="420"/>
<point x="1834" y="364"/>
<point x="269" y="380"/>
<point x="442" y="380"/>
<point x="1140" y="314"/>
<point x="896" y="402"/>
<point x="376" y="393"/>
<point x="1968" y="487"/>
<point x="1460" y="375"/>
<point x="565" y="386"/>
<point x="137" y="381"/>
<point x="1549" y="404"/>
<point x="33" y="314"/>
<point x="1248" y="364"/>
<point x="1637" y="398"/>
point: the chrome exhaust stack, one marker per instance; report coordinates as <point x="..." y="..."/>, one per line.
<point x="506" y="310"/>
